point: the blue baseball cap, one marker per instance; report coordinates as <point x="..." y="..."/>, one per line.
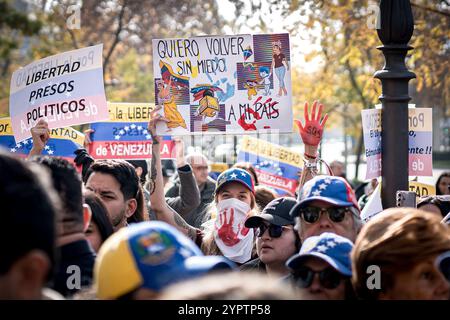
<point x="329" y="247"/>
<point x="150" y="255"/>
<point x="330" y="189"/>
<point x="235" y="175"/>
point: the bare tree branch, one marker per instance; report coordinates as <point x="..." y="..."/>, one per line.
<point x="422" y="7"/>
<point x="116" y="36"/>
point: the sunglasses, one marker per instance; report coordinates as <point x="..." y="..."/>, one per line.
<point x="328" y="278"/>
<point x="313" y="214"/>
<point x="274" y="230"/>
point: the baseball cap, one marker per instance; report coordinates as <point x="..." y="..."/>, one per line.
<point x="329" y="247"/>
<point x="330" y="189"/>
<point x="276" y="212"/>
<point x="150" y="255"/>
<point x="235" y="175"/>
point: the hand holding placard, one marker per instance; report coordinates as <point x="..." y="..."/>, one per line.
<point x="40" y="134"/>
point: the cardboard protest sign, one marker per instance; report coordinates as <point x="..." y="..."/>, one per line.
<point x="62" y="143"/>
<point x="420" y="141"/>
<point x="223" y="84"/>
<point x="276" y="166"/>
<point x="65" y="89"/>
<point x="422" y="189"/>
<point x="125" y="136"/>
<point x="371" y="123"/>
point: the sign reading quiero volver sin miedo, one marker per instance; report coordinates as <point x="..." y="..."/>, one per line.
<point x="65" y="89"/>
<point x="223" y="84"/>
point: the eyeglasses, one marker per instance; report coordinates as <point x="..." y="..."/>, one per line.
<point x="313" y="214"/>
<point x="274" y="230"/>
<point x="329" y="278"/>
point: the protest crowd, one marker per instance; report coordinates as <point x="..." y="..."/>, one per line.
<point x="116" y="229"/>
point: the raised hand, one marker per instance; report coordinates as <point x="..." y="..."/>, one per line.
<point x="87" y="137"/>
<point x="40" y="134"/>
<point x="155" y="117"/>
<point x="311" y="132"/>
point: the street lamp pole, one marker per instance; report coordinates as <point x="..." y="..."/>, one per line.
<point x="397" y="26"/>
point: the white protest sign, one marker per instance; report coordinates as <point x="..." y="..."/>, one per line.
<point x="223" y="84"/>
<point x="65" y="89"/>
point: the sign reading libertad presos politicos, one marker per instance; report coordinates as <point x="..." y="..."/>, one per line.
<point x="65" y="89"/>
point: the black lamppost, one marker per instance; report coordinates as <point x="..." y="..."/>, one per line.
<point x="396" y="29"/>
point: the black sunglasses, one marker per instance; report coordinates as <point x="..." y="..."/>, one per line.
<point x="312" y="214"/>
<point x="328" y="278"/>
<point x="274" y="230"/>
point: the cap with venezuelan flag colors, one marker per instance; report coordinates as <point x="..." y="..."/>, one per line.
<point x="149" y="255"/>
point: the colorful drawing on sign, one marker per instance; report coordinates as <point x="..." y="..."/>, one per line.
<point x="420" y="141"/>
<point x="62" y="143"/>
<point x="126" y="136"/>
<point x="276" y="166"/>
<point x="223" y="84"/>
<point x="65" y="89"/>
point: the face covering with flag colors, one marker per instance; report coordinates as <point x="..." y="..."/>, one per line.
<point x="234" y="240"/>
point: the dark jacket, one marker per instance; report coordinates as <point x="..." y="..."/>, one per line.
<point x="198" y="215"/>
<point x="253" y="265"/>
<point x="74" y="256"/>
<point x="187" y="199"/>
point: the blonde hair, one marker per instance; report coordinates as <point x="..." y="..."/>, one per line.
<point x="395" y="240"/>
<point x="209" y="246"/>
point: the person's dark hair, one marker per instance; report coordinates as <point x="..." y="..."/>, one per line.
<point x="442" y="202"/>
<point x="67" y="183"/>
<point x="443" y="175"/>
<point x="247" y="166"/>
<point x="99" y="214"/>
<point x="130" y="187"/>
<point x="142" y="164"/>
<point x="29" y="207"/>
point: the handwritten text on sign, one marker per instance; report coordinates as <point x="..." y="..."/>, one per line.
<point x="65" y="89"/>
<point x="126" y="135"/>
<point x="420" y="141"/>
<point x="223" y="84"/>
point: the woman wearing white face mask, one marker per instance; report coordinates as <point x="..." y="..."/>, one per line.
<point x="225" y="234"/>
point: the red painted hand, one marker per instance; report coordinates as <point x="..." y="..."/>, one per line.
<point x="226" y="232"/>
<point x="312" y="131"/>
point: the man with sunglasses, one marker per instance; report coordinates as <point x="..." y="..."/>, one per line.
<point x="322" y="269"/>
<point x="327" y="204"/>
<point x="276" y="238"/>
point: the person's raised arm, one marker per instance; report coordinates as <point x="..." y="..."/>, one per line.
<point x="40" y="134"/>
<point x="188" y="197"/>
<point x="311" y="133"/>
<point x="157" y="199"/>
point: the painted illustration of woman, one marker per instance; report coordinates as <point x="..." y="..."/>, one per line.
<point x="171" y="112"/>
<point x="279" y="65"/>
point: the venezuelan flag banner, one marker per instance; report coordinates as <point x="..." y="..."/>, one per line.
<point x="125" y="135"/>
<point x="276" y="166"/>
<point x="62" y="143"/>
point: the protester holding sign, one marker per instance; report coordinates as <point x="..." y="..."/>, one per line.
<point x="234" y="202"/>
